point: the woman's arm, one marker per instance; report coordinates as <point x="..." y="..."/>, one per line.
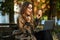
<point x="21" y="24"/>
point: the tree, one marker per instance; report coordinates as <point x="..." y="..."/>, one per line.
<point x="8" y="7"/>
<point x="58" y="5"/>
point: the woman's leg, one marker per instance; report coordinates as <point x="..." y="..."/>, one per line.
<point x="47" y="35"/>
<point x="39" y="35"/>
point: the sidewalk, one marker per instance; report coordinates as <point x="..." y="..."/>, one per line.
<point x="56" y="36"/>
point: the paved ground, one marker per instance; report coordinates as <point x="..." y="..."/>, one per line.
<point x="56" y="36"/>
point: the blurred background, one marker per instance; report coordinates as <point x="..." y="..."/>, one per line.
<point x="10" y="9"/>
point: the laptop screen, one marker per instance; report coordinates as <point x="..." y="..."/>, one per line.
<point x="49" y="24"/>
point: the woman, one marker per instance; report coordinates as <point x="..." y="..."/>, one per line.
<point x="41" y="35"/>
<point x="38" y="17"/>
<point x="25" y="20"/>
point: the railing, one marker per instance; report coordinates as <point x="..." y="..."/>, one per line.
<point x="6" y="29"/>
<point x="7" y="25"/>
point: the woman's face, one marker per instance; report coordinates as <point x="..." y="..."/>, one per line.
<point x="29" y="9"/>
<point x="39" y="14"/>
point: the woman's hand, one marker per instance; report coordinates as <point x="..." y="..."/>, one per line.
<point x="38" y="16"/>
<point x="28" y="19"/>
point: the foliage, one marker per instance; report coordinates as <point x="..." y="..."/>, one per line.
<point x="7" y="6"/>
<point x="58" y="5"/>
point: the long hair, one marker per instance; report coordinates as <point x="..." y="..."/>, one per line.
<point x="24" y="7"/>
<point x="22" y="17"/>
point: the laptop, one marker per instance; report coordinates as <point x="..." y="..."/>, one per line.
<point x="48" y="25"/>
